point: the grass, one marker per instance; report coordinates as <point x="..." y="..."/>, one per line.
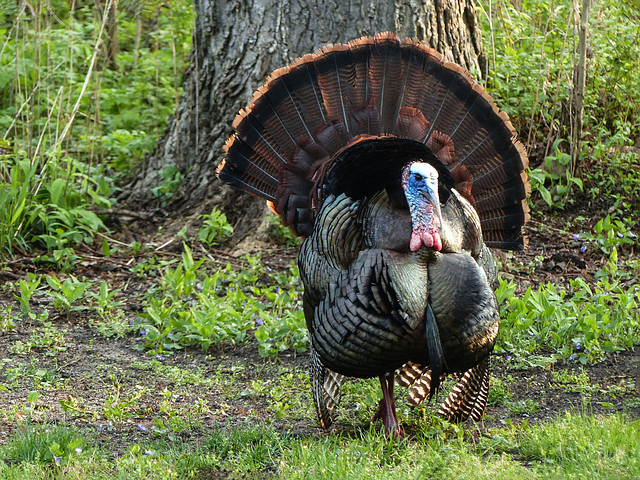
<point x="571" y="446"/>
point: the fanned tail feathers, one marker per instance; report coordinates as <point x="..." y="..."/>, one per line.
<point x="324" y="102"/>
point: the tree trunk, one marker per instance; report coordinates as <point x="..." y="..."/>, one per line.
<point x="237" y="43"/>
<point x="579" y="85"/>
<point x="112" y="37"/>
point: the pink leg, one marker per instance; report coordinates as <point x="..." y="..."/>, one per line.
<point x="387" y="408"/>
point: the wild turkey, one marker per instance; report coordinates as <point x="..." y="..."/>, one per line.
<point x="399" y="171"/>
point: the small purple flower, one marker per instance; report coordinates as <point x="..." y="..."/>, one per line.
<point x="78" y="450"/>
<point x="57" y="459"/>
<point x="159" y="357"/>
<point x="572" y="357"/>
<point x="578" y="346"/>
<point x="143" y="332"/>
<point x="148" y="452"/>
<point x="259" y="321"/>
<point x="101" y="428"/>
<point x="620" y="235"/>
<point x="508" y="357"/>
<point x="142" y="427"/>
<point x="583" y="249"/>
<point x="576" y="236"/>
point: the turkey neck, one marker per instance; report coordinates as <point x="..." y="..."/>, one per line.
<point x="420" y="184"/>
<point x="387" y="227"/>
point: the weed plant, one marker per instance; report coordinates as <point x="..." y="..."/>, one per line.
<point x="531" y="51"/>
<point x="193" y="307"/>
<point x="580" y="322"/>
<point x="531" y="55"/>
<point x="75" y="115"/>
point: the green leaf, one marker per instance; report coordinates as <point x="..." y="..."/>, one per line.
<point x="546" y="195"/>
<point x="55" y="191"/>
<point x="17" y="212"/>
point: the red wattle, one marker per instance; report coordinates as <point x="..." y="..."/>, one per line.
<point x="428" y="239"/>
<point x="437" y="242"/>
<point x="416" y="242"/>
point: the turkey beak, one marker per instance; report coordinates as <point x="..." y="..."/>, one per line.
<point x="431" y="195"/>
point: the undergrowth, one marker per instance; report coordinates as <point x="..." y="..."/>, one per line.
<point x="580" y="322"/>
<point x="531" y="51"/>
<point x="77" y="114"/>
<point x="192" y="306"/>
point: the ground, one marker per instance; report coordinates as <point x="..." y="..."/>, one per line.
<point x="121" y="395"/>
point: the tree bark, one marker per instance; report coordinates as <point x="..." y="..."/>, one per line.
<point x="237" y="43"/>
<point x="579" y="85"/>
<point x="112" y="37"/>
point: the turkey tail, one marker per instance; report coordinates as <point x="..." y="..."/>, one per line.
<point x="325" y="102"/>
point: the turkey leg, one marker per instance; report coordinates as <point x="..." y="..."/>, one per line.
<point x="387" y="408"/>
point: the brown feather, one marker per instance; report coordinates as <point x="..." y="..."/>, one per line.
<point x="309" y="111"/>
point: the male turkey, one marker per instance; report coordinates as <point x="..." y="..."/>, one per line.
<point x="399" y="172"/>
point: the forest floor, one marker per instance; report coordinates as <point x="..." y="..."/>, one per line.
<point x="119" y="395"/>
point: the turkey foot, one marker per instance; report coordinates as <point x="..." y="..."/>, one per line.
<point x="387" y="408"/>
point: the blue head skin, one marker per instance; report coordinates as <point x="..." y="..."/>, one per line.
<point x="420" y="183"/>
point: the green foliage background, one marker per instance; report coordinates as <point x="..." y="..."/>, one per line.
<point x="71" y="123"/>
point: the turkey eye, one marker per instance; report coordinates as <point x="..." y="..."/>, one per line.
<point x="418" y="177"/>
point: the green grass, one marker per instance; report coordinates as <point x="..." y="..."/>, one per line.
<point x="572" y="446"/>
